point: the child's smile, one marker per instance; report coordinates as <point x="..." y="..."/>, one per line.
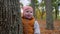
<point x="28" y="14"/>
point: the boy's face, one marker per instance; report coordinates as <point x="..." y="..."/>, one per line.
<point x="28" y="14"/>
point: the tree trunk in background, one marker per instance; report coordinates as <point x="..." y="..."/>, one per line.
<point x="10" y="22"/>
<point x="33" y="5"/>
<point x="49" y="16"/>
<point x="56" y="12"/>
<point x="42" y="13"/>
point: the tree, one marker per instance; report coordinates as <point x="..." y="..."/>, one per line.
<point x="33" y="5"/>
<point x="10" y="20"/>
<point x="42" y="4"/>
<point x="49" y="16"/>
<point x="55" y="5"/>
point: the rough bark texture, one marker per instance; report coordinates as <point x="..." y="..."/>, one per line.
<point x="49" y="14"/>
<point x="10" y="17"/>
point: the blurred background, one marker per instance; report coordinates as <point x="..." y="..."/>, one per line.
<point x="47" y="13"/>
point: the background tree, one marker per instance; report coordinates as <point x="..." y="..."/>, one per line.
<point x="33" y="5"/>
<point x="42" y="4"/>
<point x="55" y="6"/>
<point x="49" y="16"/>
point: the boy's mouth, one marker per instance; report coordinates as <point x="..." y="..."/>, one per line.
<point x="28" y="15"/>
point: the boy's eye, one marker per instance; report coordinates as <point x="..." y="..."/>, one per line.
<point x="27" y="11"/>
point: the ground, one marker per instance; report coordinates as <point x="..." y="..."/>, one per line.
<point x="43" y="29"/>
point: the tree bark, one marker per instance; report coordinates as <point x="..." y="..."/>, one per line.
<point x="9" y="17"/>
<point x="49" y="14"/>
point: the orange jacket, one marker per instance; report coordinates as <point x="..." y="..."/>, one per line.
<point x="28" y="26"/>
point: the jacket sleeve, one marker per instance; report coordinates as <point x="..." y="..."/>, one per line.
<point x="36" y="28"/>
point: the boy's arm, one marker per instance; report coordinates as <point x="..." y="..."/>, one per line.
<point x="36" y="28"/>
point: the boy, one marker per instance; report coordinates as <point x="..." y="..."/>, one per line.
<point x="30" y="26"/>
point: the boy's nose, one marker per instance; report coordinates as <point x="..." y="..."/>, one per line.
<point x="29" y="13"/>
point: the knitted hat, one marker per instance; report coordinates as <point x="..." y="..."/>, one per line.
<point x="27" y="8"/>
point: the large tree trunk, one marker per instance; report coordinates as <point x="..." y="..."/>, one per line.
<point x="9" y="17"/>
<point x="49" y="16"/>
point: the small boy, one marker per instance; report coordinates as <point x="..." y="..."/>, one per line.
<point x="30" y="26"/>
